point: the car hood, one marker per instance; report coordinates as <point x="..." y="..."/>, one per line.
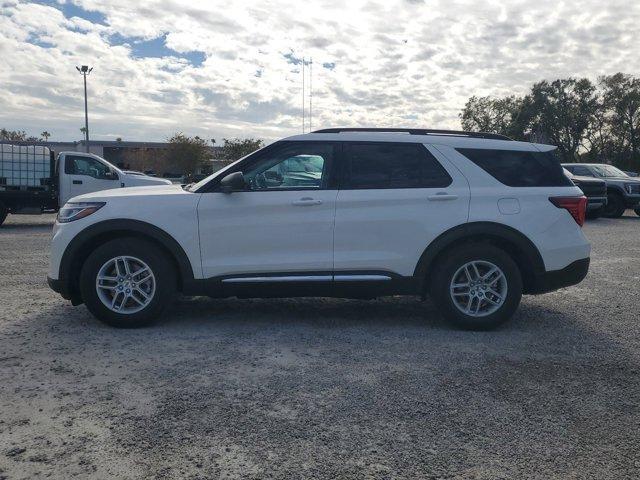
<point x="623" y="179"/>
<point x="142" y="180"/>
<point x="130" y="192"/>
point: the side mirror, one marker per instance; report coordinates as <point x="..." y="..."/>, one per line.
<point x="234" y="182"/>
<point x="111" y="176"/>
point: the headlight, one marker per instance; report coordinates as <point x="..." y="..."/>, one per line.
<point x="76" y="211"/>
<point x="632" y="187"/>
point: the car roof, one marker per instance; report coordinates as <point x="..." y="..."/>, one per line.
<point x="452" y="140"/>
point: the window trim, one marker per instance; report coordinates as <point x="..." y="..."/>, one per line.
<point x="345" y="174"/>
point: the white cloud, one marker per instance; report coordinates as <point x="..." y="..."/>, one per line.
<point x="397" y="63"/>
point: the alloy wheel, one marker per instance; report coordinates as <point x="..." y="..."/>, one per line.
<point x="478" y="288"/>
<point x="125" y="284"/>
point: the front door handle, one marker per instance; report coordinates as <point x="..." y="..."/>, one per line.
<point x="441" y="196"/>
<point x="77" y="182"/>
<point x="306" y="202"/>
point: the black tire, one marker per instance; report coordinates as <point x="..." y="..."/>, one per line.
<point x="594" y="214"/>
<point x="165" y="283"/>
<point x="3" y="213"/>
<point x="615" y="206"/>
<point x="637" y="210"/>
<point x="452" y="262"/>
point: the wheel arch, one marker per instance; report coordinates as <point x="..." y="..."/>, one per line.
<point x="86" y="241"/>
<point x="516" y="244"/>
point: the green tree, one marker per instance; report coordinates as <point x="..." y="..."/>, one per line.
<point x="495" y="115"/>
<point x="45" y="135"/>
<point x="562" y="111"/>
<point x="621" y="100"/>
<point x="187" y="153"/>
<point x="235" y="148"/>
<point x="12" y="135"/>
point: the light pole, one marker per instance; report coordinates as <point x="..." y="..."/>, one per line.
<point x="84" y="71"/>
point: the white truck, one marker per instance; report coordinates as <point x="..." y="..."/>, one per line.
<point x="33" y="180"/>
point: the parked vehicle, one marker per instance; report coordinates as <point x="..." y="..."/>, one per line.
<point x="34" y="181"/>
<point x="594" y="189"/>
<point x="623" y="191"/>
<point x="475" y="220"/>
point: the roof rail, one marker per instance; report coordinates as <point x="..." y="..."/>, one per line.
<point x="419" y="131"/>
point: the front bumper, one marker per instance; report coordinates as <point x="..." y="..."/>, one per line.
<point x="572" y="274"/>
<point x="594" y="203"/>
<point x="58" y="286"/>
<point x="632" y="200"/>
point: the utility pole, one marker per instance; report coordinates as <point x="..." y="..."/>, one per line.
<point x="303" y="99"/>
<point x="84" y="71"/>
<point x="310" y="93"/>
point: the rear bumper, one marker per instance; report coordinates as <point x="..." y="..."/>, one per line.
<point x="572" y="274"/>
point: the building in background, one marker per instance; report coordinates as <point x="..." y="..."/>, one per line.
<point x="149" y="157"/>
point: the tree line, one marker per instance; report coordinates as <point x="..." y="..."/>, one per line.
<point x="588" y="121"/>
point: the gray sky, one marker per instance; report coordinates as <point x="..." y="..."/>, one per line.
<point x="222" y="68"/>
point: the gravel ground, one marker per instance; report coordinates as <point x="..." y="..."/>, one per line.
<point x="321" y="388"/>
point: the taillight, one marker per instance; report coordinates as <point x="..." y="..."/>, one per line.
<point x="576" y="206"/>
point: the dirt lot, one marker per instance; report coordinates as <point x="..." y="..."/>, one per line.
<point x="318" y="388"/>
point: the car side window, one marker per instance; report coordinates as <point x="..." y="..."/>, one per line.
<point x="86" y="166"/>
<point x="301" y="165"/>
<point x="582" y="171"/>
<point x="392" y="165"/>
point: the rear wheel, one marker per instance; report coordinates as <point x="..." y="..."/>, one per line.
<point x="477" y="287"/>
<point x="615" y="206"/>
<point x="127" y="283"/>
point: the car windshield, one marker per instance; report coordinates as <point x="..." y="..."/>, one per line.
<point x="567" y="172"/>
<point x="608" y="171"/>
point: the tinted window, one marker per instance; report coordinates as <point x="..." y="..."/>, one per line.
<point x="392" y="165"/>
<point x="582" y="171"/>
<point x="86" y="166"/>
<point x="296" y="166"/>
<point x="519" y="169"/>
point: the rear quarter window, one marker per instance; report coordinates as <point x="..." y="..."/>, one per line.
<point x="517" y="168"/>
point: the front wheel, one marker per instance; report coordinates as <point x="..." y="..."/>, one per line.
<point x="615" y="206"/>
<point x="127" y="283"/>
<point x="477" y="287"/>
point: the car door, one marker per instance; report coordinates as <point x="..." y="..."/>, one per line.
<point x="282" y="223"/>
<point x="84" y="174"/>
<point x="394" y="200"/>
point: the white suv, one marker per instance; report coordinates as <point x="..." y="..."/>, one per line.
<point x="474" y="220"/>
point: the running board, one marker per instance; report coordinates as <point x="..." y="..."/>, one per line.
<point x="308" y="278"/>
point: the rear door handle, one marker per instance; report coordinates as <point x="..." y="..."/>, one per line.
<point x="77" y="182"/>
<point x="306" y="202"/>
<point x="441" y="196"/>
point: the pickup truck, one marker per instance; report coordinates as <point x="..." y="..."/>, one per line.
<point x="33" y="180"/>
<point x="594" y="189"/>
<point x="623" y="191"/>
